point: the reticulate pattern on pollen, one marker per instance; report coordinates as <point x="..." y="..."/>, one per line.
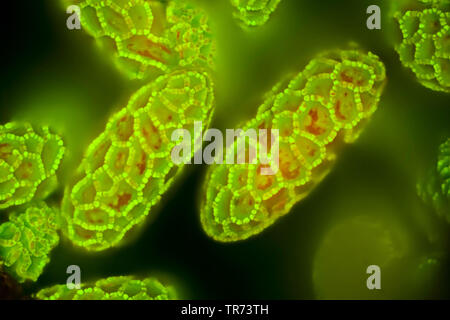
<point x="323" y="107"/>
<point x="150" y="37"/>
<point x="128" y="167"/>
<point x="27" y="239"/>
<point x="29" y="159"/>
<point x="423" y="44"/>
<point x="254" y="13"/>
<point x="436" y="190"/>
<point x="113" y="288"/>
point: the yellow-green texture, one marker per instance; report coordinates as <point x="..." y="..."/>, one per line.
<point x="422" y="40"/>
<point x="29" y="159"/>
<point x="113" y="288"/>
<point x="148" y="37"/>
<point x="435" y="190"/>
<point x="254" y="13"/>
<point x="350" y="246"/>
<point x="323" y="107"/>
<point x="126" y="169"/>
<point x="27" y="239"/>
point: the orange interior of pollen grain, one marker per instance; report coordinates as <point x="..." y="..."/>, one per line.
<point x="354" y="75"/>
<point x="83" y="233"/>
<point x="152" y="138"/>
<point x="144" y="47"/>
<point x="120" y="201"/>
<point x="25" y="170"/>
<point x="277" y="202"/>
<point x="263" y="182"/>
<point x="338" y="110"/>
<point x="125" y="127"/>
<point x="245" y="199"/>
<point x="96" y="216"/>
<point x="344" y="105"/>
<point x="314" y="126"/>
<point x="142" y="164"/>
<point x="121" y="159"/>
<point x="308" y="149"/>
<point x="242" y="178"/>
<point x="5" y="151"/>
<point x="289" y="164"/>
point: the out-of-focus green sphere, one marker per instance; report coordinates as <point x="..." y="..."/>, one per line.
<point x="351" y="246"/>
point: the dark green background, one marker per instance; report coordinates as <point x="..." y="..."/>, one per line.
<point x="55" y="76"/>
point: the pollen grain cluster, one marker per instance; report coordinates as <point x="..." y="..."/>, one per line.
<point x="320" y="109"/>
<point x="128" y="167"/>
<point x="29" y="159"/>
<point x="149" y="37"/>
<point x="423" y="41"/>
<point x="27" y="239"/>
<point x="112" y="288"/>
<point x="254" y="13"/>
<point x="435" y="191"/>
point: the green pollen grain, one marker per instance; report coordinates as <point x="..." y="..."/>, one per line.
<point x="254" y="13"/>
<point x="113" y="288"/>
<point x="127" y="169"/>
<point x="147" y="38"/>
<point x="324" y="106"/>
<point x="27" y="239"/>
<point x="424" y="40"/>
<point x="29" y="159"/>
<point x="435" y="191"/>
